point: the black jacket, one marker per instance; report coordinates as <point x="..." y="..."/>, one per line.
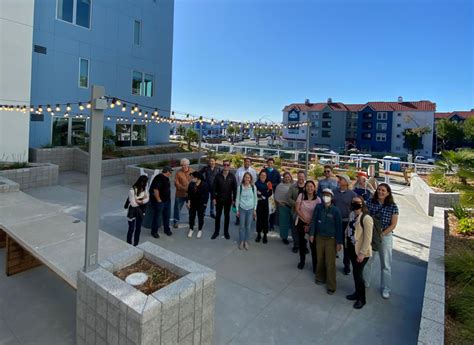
<point x="162" y="183"/>
<point x="198" y="195"/>
<point x="210" y="175"/>
<point x="224" y="189"/>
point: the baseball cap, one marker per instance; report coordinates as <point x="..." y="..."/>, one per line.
<point x="362" y="173"/>
<point x="328" y="190"/>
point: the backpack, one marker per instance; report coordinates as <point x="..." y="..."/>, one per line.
<point x="376" y="231"/>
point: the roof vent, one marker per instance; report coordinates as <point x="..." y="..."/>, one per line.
<point x="307" y="102"/>
<point x="400" y="99"/>
<point x="329" y="100"/>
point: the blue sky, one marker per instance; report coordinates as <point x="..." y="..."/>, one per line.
<point x="244" y="59"/>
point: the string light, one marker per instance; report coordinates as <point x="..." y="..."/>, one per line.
<point x="48" y="108"/>
<point x="68" y="107"/>
<point x="124" y="107"/>
<point x="89" y="105"/>
<point x="81" y="107"/>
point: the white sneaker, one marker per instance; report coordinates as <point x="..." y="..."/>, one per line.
<point x="190" y="233"/>
<point x="386" y="294"/>
<point x="199" y="234"/>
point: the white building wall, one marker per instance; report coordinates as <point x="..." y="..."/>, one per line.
<point x="412" y="119"/>
<point x="294" y="138"/>
<point x="16" y="40"/>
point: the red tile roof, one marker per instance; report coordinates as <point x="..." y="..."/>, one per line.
<point x="463" y="114"/>
<point x="377" y="106"/>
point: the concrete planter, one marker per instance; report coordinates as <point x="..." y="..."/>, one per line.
<point x="63" y="157"/>
<point x="428" y="198"/>
<point x="109" y="311"/>
<point x="7" y="186"/>
<point x="36" y="175"/>
<point x="433" y="312"/>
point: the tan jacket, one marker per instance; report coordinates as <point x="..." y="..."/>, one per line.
<point x="181" y="182"/>
<point x="363" y="236"/>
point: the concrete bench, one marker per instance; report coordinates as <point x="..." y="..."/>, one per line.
<point x="35" y="232"/>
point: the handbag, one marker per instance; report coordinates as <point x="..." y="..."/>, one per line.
<point x="271" y="204"/>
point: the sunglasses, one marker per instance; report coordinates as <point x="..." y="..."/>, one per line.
<point x="226" y="165"/>
<point x="327" y="171"/>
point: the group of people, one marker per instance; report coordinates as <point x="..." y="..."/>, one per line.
<point x="328" y="215"/>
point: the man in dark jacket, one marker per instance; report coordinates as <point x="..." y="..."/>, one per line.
<point x="160" y="198"/>
<point x="224" y="192"/>
<point x="273" y="175"/>
<point x="210" y="172"/>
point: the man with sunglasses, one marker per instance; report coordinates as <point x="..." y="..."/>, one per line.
<point x="327" y="182"/>
<point x="224" y="192"/>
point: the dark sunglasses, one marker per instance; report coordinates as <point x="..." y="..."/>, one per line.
<point x="226" y="165"/>
<point x="327" y="171"/>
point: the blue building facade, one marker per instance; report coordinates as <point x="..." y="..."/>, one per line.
<point x="374" y="128"/>
<point x="125" y="46"/>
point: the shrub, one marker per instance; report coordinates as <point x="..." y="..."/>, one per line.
<point x="316" y="172"/>
<point x="459" y="211"/>
<point x="352" y="173"/>
<point x="237" y="160"/>
<point x="460" y="266"/>
<point x="439" y="180"/>
<point x="466" y="226"/>
<point x="461" y="307"/>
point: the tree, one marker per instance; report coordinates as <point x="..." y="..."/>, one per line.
<point x="468" y="129"/>
<point x="413" y="138"/>
<point x="449" y="132"/>
<point x="191" y="136"/>
<point x="460" y="162"/>
<point x="181" y="130"/>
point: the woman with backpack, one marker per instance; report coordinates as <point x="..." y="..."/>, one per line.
<point x="137" y="199"/>
<point x="384" y="212"/>
<point x="198" y="194"/>
<point x="246" y="205"/>
<point x="358" y="237"/>
<point x="264" y="191"/>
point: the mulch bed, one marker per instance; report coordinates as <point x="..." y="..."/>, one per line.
<point x="158" y="277"/>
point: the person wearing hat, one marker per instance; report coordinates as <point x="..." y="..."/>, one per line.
<point x="362" y="187"/>
<point x="326" y="230"/>
<point x="160" y="198"/>
<point x="198" y="192"/>
<point x="342" y="200"/>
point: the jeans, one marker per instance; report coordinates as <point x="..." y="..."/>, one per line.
<point x="134" y="229"/>
<point x="161" y="214"/>
<point x="357" y="271"/>
<point x="222" y="206"/>
<point x="192" y="216"/>
<point x="385" y="255"/>
<point x="178" y="205"/>
<point x="246" y="217"/>
<point x="284" y="220"/>
<point x="262" y="216"/>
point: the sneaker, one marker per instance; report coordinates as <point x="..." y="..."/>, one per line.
<point x="318" y="282"/>
<point x="227" y="236"/>
<point x="169" y="233"/>
<point x="258" y="238"/>
<point x="330" y="292"/>
<point x="265" y="238"/>
<point x="155" y="235"/>
<point x="190" y="233"/>
<point x="300" y="265"/>
<point x="347" y="271"/>
<point x="352" y="297"/>
<point x="199" y="234"/>
<point x="214" y="235"/>
<point x="241" y="245"/>
<point x="175" y="225"/>
<point x="386" y="294"/>
<point x="246" y="245"/>
<point x="285" y="241"/>
<point x="359" y="304"/>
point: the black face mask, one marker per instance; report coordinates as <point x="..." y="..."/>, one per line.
<point x="355" y="206"/>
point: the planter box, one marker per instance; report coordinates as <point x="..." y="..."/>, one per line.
<point x="63" y="157"/>
<point x="7" y="186"/>
<point x="428" y="198"/>
<point x="37" y="175"/>
<point x="132" y="172"/>
<point x="433" y="312"/>
<point x="109" y="311"/>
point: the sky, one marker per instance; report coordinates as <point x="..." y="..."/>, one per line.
<point x="247" y="59"/>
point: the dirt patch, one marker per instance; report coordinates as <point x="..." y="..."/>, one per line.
<point x="158" y="277"/>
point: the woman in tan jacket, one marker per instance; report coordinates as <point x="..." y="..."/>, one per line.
<point x="358" y="238"/>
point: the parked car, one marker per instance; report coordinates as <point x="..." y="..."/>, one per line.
<point x="424" y="160"/>
<point x="176" y="137"/>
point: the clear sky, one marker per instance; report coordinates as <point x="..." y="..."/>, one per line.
<point x="244" y="59"/>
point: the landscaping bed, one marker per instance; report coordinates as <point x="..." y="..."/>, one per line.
<point x="459" y="259"/>
<point x="133" y="152"/>
<point x="14" y="165"/>
<point x="166" y="162"/>
<point x="158" y="277"/>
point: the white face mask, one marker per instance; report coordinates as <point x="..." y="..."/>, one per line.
<point x="327" y="199"/>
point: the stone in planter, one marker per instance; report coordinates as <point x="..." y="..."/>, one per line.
<point x="109" y="311"/>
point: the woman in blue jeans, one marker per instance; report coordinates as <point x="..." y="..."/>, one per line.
<point x="246" y="204"/>
<point x="383" y="207"/>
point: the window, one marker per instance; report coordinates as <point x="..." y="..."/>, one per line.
<point x="326" y="124"/>
<point x="367" y="116"/>
<point x="367" y="125"/>
<point x="83" y="73"/>
<point x="60" y="131"/>
<point x="399" y="114"/>
<point x="381" y="137"/>
<point x="381" y="126"/>
<point x="40" y="49"/>
<point x="315" y="123"/>
<point x="142" y="84"/>
<point x="399" y="124"/>
<point x="326" y="115"/>
<point x="382" y="116"/>
<point x="398" y="135"/>
<point x="78" y="135"/>
<point x="137" y="32"/>
<point x="326" y="134"/>
<point x="366" y="136"/>
<point x="76" y="12"/>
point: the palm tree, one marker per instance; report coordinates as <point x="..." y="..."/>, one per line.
<point x="181" y="130"/>
<point x="460" y="162"/>
<point x="191" y="136"/>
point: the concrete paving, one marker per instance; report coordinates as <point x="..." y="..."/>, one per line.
<point x="261" y="297"/>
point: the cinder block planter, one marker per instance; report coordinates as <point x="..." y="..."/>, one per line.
<point x="428" y="198"/>
<point x="7" y="186"/>
<point x="36" y="175"/>
<point x="433" y="312"/>
<point x="109" y="311"/>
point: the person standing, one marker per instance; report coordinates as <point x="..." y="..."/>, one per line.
<point x="305" y="205"/>
<point x="342" y="200"/>
<point x="273" y="176"/>
<point x="239" y="175"/>
<point x="384" y="211"/>
<point x="293" y="193"/>
<point x="328" y="181"/>
<point x="326" y="230"/>
<point x="246" y="204"/>
<point x="264" y="191"/>
<point x="362" y="187"/>
<point x="224" y="193"/>
<point x="137" y="197"/>
<point x="198" y="192"/>
<point x="358" y="236"/>
<point x="210" y="172"/>
<point x="160" y="196"/>
<point x="181" y="182"/>
<point x="284" y="209"/>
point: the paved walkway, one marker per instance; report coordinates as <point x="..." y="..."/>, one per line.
<point x="261" y="297"/>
